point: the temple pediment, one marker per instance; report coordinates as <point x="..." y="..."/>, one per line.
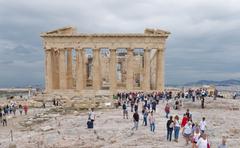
<point x="71" y="31"/>
<point x="65" y="30"/>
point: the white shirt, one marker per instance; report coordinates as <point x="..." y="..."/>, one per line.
<point x="203" y="125"/>
<point x="92" y="115"/>
<point x="187" y="129"/>
<point x="177" y="124"/>
<point x="202" y="143"/>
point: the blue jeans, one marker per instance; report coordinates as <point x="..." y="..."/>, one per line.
<point x="169" y="134"/>
<point x="152" y="127"/>
<point x="176" y="132"/>
<point x="145" y="121"/>
<point x="167" y="114"/>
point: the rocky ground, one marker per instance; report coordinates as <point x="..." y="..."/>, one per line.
<point x="59" y="128"/>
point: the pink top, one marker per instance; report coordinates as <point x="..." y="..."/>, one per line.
<point x="151" y="119"/>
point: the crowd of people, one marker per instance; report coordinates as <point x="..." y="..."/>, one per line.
<point x="11" y="108"/>
<point x="193" y="132"/>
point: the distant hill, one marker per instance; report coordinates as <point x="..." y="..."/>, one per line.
<point x="216" y="83"/>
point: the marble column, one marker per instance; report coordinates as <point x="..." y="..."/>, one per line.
<point x="129" y="69"/>
<point x="112" y="70"/>
<point x="80" y="82"/>
<point x="69" y="69"/>
<point x="48" y="70"/>
<point x="55" y="68"/>
<point x="96" y="69"/>
<point x="62" y="69"/>
<point x="146" y="76"/>
<point x="160" y="69"/>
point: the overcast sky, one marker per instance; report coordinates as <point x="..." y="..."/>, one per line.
<point x="204" y="41"/>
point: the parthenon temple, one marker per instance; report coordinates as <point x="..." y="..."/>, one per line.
<point x="108" y="61"/>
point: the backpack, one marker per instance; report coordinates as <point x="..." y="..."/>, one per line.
<point x="124" y="106"/>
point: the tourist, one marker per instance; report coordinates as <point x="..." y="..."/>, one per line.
<point x="154" y="104"/>
<point x="54" y="101"/>
<point x="20" y="108"/>
<point x="187" y="131"/>
<point x="1" y="114"/>
<point x="203" y="125"/>
<point x="188" y="114"/>
<point x="176" y="128"/>
<point x="125" y="111"/>
<point x="215" y="94"/>
<point x="167" y="110"/>
<point x="44" y="104"/>
<point x="177" y="104"/>
<point x="135" y="121"/>
<point x="25" y="108"/>
<point x="202" y="142"/>
<point x="202" y="101"/>
<point x="223" y="144"/>
<point x="136" y="107"/>
<point x="152" y="122"/>
<point x="195" y="137"/>
<point x="14" y="109"/>
<point x="132" y="104"/>
<point x="170" y="125"/>
<point x="4" y="120"/>
<point x="184" y="120"/>
<point x="91" y="118"/>
<point x="145" y="115"/>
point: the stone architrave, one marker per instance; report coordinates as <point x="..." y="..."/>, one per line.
<point x="112" y="70"/>
<point x="69" y="69"/>
<point x="62" y="69"/>
<point x="80" y="82"/>
<point x="48" y="70"/>
<point x="96" y="69"/>
<point x="129" y="69"/>
<point x="160" y="69"/>
<point x="146" y="76"/>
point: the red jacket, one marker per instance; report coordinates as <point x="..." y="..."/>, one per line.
<point x="184" y="121"/>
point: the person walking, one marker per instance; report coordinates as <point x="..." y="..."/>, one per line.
<point x="135" y="120"/>
<point x="170" y="125"/>
<point x="25" y="108"/>
<point x="145" y="115"/>
<point x="187" y="131"/>
<point x="224" y="143"/>
<point x="4" y="120"/>
<point x="167" y="110"/>
<point x="125" y="111"/>
<point x="195" y="137"/>
<point x="203" y="125"/>
<point x="184" y="120"/>
<point x="176" y="128"/>
<point x="152" y="122"/>
<point x="20" y="108"/>
<point x="1" y="115"/>
<point x="202" y="142"/>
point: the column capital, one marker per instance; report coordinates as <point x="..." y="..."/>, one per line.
<point x="62" y="49"/>
<point x="147" y="49"/>
<point x="78" y="49"/>
<point x="96" y="49"/>
<point x="160" y="49"/>
<point x="130" y="49"/>
<point x="112" y="49"/>
<point x="47" y="49"/>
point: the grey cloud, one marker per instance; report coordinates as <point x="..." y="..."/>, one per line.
<point x="204" y="43"/>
